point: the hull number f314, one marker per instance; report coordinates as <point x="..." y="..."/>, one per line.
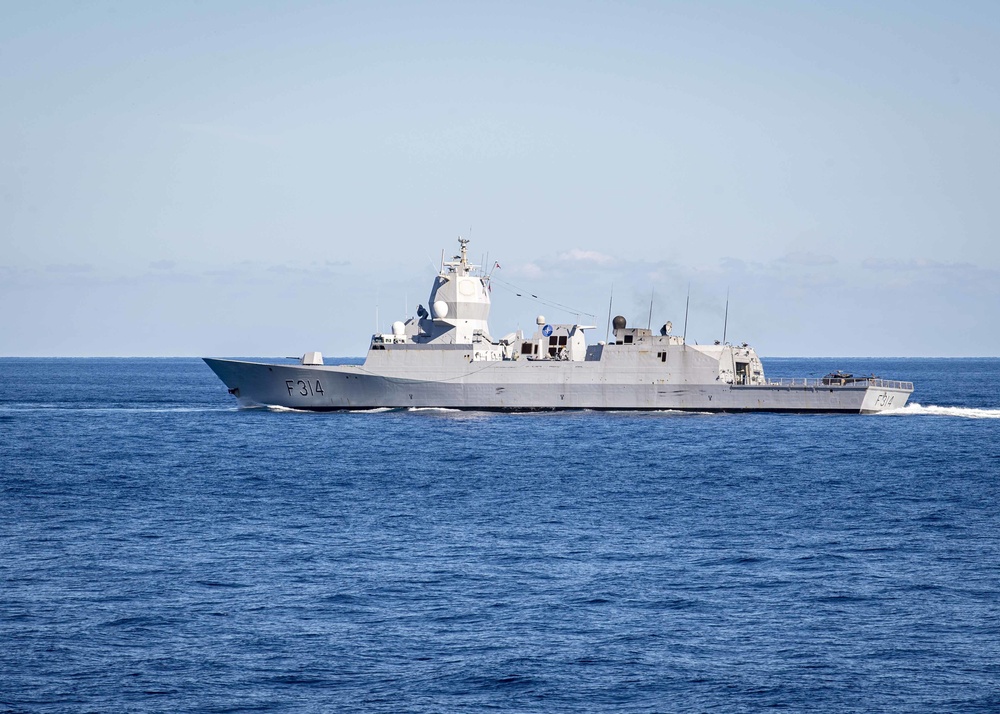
<point x="304" y="387"/>
<point x="884" y="400"/>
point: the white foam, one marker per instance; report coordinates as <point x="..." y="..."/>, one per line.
<point x="90" y="410"/>
<point x="433" y="409"/>
<point x="932" y="410"/>
<point x="373" y="410"/>
<point x="683" y="412"/>
<point x="167" y="410"/>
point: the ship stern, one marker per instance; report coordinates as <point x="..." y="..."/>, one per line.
<point x="885" y="395"/>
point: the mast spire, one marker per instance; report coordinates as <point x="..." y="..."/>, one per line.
<point x="725" y="323"/>
<point x="464" y="242"/>
<point x="687" y="304"/>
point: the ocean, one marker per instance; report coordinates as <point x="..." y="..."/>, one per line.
<point x="163" y="551"/>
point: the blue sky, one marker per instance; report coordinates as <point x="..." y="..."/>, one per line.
<point x="238" y="178"/>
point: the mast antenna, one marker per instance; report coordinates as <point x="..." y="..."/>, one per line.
<point x="464" y="242"/>
<point x="725" y="323"/>
<point x="611" y="301"/>
<point x="649" y="321"/>
<point x="687" y="304"/>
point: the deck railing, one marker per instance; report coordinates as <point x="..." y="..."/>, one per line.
<point x="841" y="382"/>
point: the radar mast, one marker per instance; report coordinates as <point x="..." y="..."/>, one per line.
<point x="460" y="263"/>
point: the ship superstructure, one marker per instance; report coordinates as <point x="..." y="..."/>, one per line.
<point x="446" y="356"/>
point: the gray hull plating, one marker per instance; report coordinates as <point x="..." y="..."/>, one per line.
<point x="548" y="386"/>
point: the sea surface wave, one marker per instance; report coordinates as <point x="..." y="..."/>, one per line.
<point x="163" y="551"/>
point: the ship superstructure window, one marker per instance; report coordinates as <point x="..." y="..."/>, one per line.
<point x="527" y="348"/>
<point x="557" y="344"/>
<point x="628" y="339"/>
<point x="662" y="356"/>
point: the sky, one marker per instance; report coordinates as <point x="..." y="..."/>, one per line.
<point x="265" y="179"/>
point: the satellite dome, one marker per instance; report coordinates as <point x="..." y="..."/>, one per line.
<point x="618" y="323"/>
<point x="398" y="328"/>
<point x="540" y="320"/>
<point x="440" y="309"/>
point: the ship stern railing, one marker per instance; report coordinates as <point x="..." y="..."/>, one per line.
<point x="855" y="382"/>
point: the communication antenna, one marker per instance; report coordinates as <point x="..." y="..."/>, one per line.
<point x="649" y="321"/>
<point x="725" y="323"/>
<point x="611" y="300"/>
<point x="687" y="304"/>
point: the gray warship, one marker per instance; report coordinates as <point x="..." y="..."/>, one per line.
<point x="446" y="357"/>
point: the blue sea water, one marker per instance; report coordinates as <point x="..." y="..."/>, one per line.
<point x="163" y="551"/>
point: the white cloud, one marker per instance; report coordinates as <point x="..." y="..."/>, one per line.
<point x="806" y="258"/>
<point x="586" y="256"/>
<point x="528" y="270"/>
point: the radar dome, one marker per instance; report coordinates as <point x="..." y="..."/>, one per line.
<point x="618" y="323"/>
<point x="540" y="320"/>
<point x="440" y="308"/>
<point x="398" y="328"/>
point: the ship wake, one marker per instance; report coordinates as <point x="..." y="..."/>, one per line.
<point x="932" y="410"/>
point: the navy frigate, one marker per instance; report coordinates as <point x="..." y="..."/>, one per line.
<point x="446" y="357"/>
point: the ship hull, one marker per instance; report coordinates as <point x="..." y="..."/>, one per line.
<point x="503" y="386"/>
